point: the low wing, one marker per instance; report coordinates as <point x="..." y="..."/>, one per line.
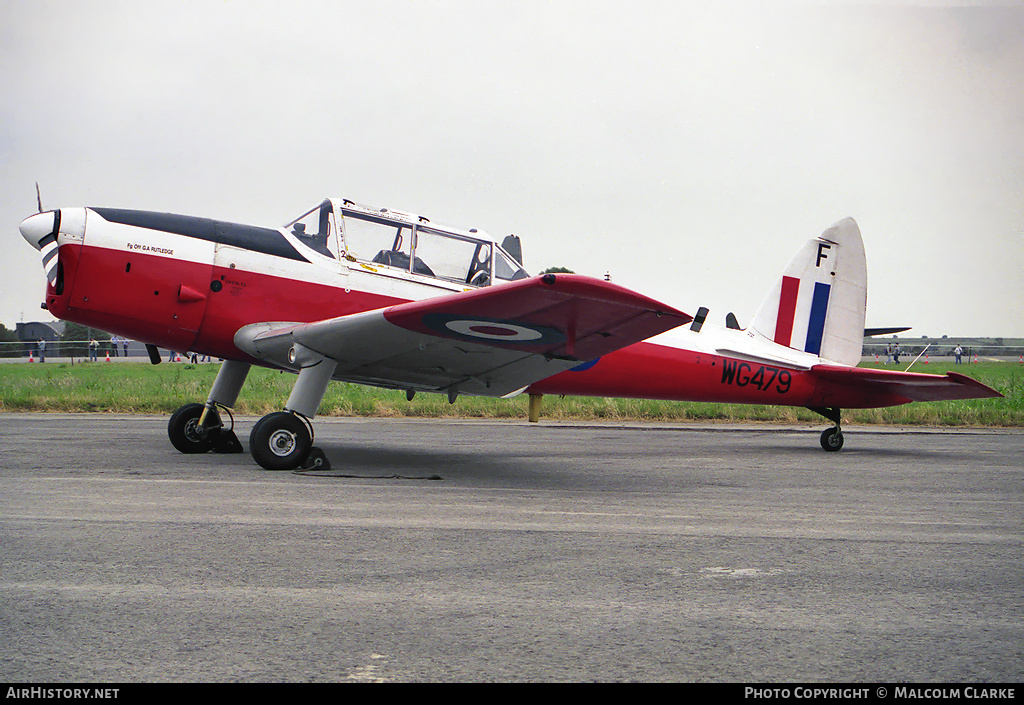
<point x="911" y="386"/>
<point x="491" y="342"/>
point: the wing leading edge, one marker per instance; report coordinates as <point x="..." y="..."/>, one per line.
<point x="490" y="342"/>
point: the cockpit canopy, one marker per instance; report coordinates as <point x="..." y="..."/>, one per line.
<point x="405" y="243"/>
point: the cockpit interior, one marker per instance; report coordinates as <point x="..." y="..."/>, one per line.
<point x="346" y="231"/>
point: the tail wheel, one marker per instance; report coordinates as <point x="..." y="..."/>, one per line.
<point x="832" y="439"/>
<point x="280" y="441"/>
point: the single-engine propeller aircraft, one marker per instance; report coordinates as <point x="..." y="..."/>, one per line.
<point x="385" y="298"/>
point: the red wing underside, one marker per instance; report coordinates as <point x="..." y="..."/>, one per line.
<point x="910" y="385"/>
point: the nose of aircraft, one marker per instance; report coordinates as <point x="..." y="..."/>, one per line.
<point x="36" y="228"/>
<point x="40" y="231"/>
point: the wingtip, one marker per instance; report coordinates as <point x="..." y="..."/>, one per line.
<point x="971" y="382"/>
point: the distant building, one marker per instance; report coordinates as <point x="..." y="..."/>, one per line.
<point x="31" y="332"/>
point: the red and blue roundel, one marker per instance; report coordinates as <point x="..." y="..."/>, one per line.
<point x="492" y="330"/>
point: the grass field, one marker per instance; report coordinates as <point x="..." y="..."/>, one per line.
<point x="143" y="388"/>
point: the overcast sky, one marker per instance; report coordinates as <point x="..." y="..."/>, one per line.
<point x="689" y="148"/>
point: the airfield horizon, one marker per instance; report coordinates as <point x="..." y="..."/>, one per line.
<point x="59" y="386"/>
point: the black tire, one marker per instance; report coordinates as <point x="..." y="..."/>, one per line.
<point x="832" y="439"/>
<point x="182" y="429"/>
<point x="280" y="441"/>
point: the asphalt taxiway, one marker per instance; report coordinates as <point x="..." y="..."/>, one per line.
<point x="507" y="551"/>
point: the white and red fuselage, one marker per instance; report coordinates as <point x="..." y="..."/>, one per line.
<point x="190" y="284"/>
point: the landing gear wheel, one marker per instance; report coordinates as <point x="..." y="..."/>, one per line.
<point x="184" y="431"/>
<point x="832" y="439"/>
<point x="280" y="441"/>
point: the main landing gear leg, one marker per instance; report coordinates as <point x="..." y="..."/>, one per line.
<point x="197" y="428"/>
<point x="283" y="440"/>
<point x="831" y="438"/>
<point x="535" y="404"/>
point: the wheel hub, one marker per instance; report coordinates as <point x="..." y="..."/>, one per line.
<point x="282" y="443"/>
<point x="193" y="432"/>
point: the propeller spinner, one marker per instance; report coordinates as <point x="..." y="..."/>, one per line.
<point x="40" y="231"/>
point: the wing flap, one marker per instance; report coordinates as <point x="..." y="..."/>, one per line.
<point x="912" y="386"/>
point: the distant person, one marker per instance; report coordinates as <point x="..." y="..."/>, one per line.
<point x="94" y="350"/>
<point x="41" y="347"/>
<point x="124" y="345"/>
<point x="958" y="354"/>
<point x="113" y="344"/>
<point x="888" y="353"/>
<point x="896" y="353"/>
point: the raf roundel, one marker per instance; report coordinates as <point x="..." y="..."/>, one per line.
<point x="492" y="330"/>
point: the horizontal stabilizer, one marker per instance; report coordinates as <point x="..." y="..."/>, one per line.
<point x="871" y="332"/>
<point x="911" y="386"/>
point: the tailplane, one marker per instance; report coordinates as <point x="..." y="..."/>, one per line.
<point x="818" y="306"/>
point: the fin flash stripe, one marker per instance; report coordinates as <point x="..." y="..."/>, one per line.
<point x="787" y="310"/>
<point x="816" y="326"/>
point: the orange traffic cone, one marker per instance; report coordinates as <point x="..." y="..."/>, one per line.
<point x="926" y="359"/>
<point x="31" y="358"/>
<point x="108" y="356"/>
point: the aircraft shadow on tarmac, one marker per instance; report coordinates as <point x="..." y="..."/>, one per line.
<point x="666" y="459"/>
<point x="731" y="450"/>
<point x="519" y="469"/>
<point x="396" y="463"/>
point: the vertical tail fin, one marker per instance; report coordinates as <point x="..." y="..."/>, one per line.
<point x="818" y="306"/>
